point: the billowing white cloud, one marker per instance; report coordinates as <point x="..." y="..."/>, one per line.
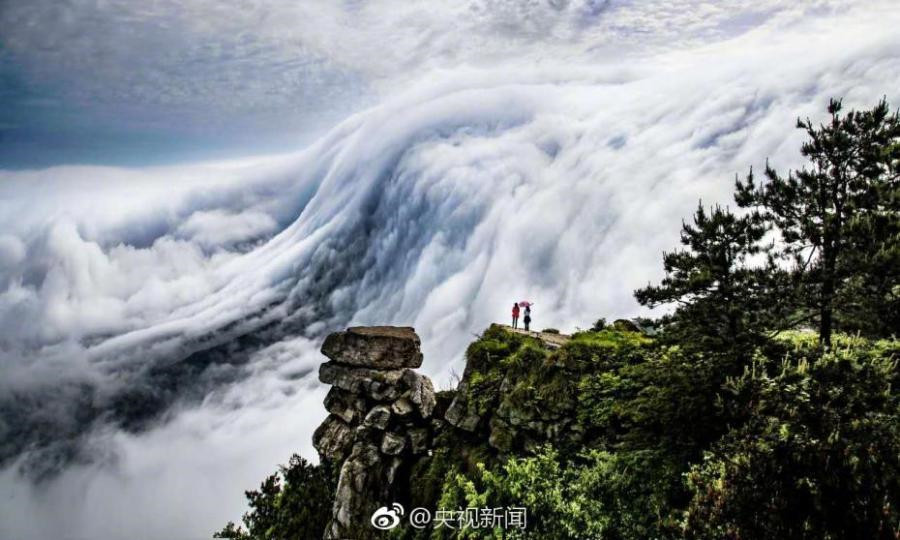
<point x="200" y="462"/>
<point x="201" y="292"/>
<point x="12" y="251"/>
<point x="216" y="228"/>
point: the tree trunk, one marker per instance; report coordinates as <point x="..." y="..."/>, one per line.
<point x="825" y="325"/>
<point x="826" y="322"/>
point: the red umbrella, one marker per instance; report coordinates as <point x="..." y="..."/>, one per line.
<point x="525" y="303"/>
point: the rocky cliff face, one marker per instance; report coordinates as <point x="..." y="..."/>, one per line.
<point x="380" y="419"/>
<point x="394" y="439"/>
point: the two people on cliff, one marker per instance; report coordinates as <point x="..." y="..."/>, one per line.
<point x="527" y="315"/>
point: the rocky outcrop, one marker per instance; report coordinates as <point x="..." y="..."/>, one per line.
<point x="626" y="325"/>
<point x="381" y="347"/>
<point x="461" y="413"/>
<point x="394" y="439"/>
<point x="380" y="418"/>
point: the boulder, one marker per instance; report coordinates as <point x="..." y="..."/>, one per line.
<point x="402" y="407"/>
<point x="459" y="416"/>
<point x="381" y="347"/>
<point x="376" y="384"/>
<point x="378" y="417"/>
<point x="392" y="444"/>
<point x="420" y="393"/>
<point x="333" y="439"/>
<point x="347" y="406"/>
<point x="455" y="411"/>
<point x="625" y="325"/>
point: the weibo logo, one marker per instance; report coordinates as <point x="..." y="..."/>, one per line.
<point x="387" y="518"/>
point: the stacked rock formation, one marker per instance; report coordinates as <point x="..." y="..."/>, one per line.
<point x="380" y="411"/>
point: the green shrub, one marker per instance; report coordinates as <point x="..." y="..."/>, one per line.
<point x="595" y="495"/>
<point x="592" y="351"/>
<point x="818" y="455"/>
<point x="528" y="356"/>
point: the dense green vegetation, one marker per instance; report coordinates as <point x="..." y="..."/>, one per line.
<point x="663" y="442"/>
<point x="763" y="405"/>
<point x="293" y="504"/>
<point x="799" y="444"/>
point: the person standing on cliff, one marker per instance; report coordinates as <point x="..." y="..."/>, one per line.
<point x="515" y="314"/>
<point x="527" y="318"/>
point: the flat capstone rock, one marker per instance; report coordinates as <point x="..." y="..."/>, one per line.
<point x="379" y="347"/>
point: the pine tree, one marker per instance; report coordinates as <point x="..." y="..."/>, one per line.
<point x="719" y="296"/>
<point x="838" y="216"/>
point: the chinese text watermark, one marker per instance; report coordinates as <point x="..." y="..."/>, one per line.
<point x="503" y="517"/>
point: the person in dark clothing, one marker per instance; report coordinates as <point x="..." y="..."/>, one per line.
<point x="527" y="318"/>
<point x="515" y="315"/>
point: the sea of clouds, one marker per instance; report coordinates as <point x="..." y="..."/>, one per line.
<point x="159" y="327"/>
